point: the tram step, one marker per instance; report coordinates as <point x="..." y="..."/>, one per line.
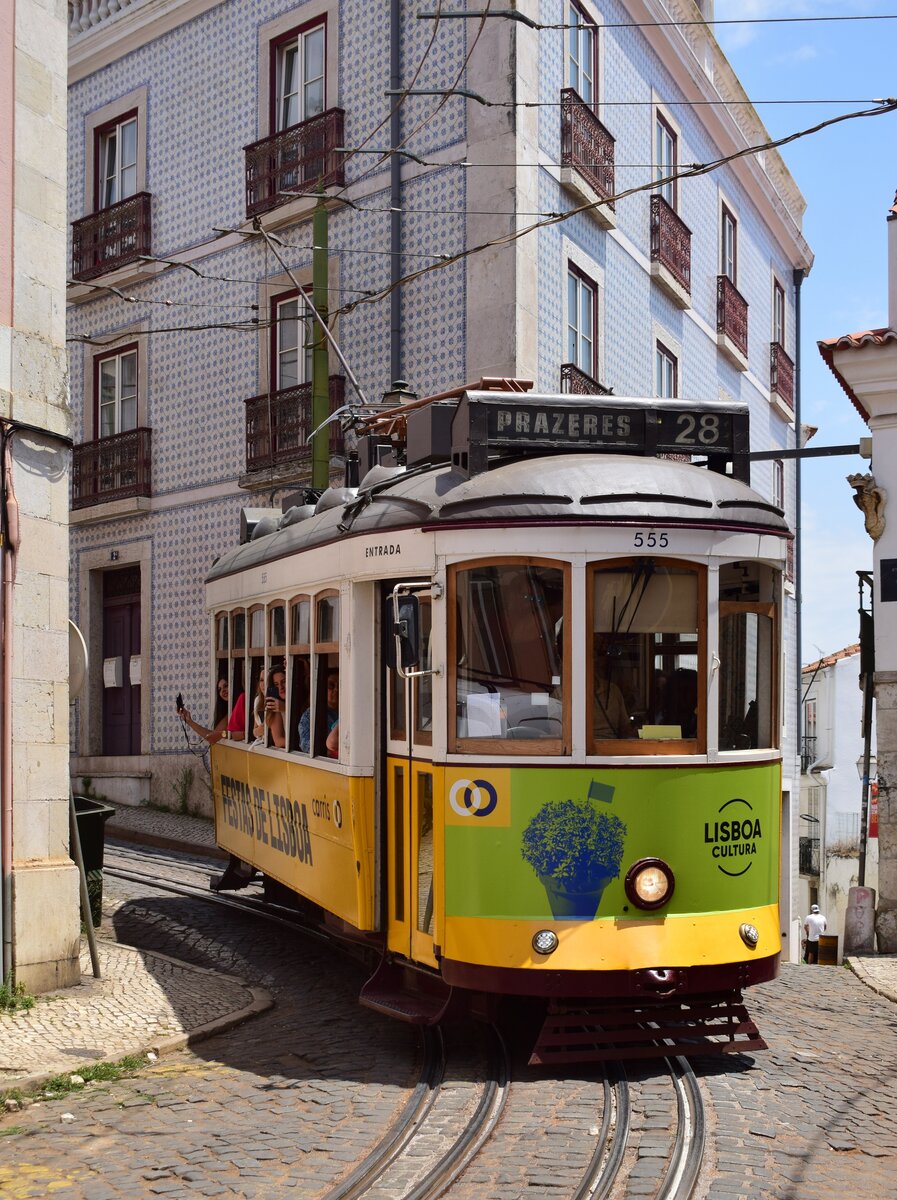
<point x="406" y="994"/>
<point x="598" y="1033"/>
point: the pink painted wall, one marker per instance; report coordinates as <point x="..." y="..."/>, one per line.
<point x="7" y="142"/>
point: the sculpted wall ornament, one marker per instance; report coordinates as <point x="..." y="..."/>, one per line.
<point x="871" y="500"/>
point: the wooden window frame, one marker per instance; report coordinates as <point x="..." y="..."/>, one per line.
<point x="97" y="361"/>
<point x="276" y="47"/>
<point x="100" y="134"/>
<point x="632" y="747"/>
<point x="541" y="747"/>
<point x="321" y="649"/>
<point x="294" y="651"/>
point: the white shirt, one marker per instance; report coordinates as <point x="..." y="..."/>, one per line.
<point x="814" y="925"/>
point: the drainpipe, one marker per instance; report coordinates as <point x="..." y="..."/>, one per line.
<point x="799" y="276"/>
<point x="8" y="549"/>
<point x="395" y="193"/>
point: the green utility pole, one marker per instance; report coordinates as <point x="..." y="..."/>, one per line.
<point x="320" y="383"/>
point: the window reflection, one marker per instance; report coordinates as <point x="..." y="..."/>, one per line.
<point x="645" y="652"/>
<point x="747" y="650"/>
<point x="508" y="652"/>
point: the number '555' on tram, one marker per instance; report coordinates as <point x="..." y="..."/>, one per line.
<point x="524" y="738"/>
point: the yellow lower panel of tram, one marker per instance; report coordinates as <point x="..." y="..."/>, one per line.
<point x="703" y="939"/>
<point x="308" y="828"/>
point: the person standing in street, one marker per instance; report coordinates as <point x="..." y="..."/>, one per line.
<point x="813" y="927"/>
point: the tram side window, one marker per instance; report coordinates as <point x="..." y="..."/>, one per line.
<point x="320" y="731"/>
<point x="221" y="709"/>
<point x="748" y="655"/>
<point x="276" y="719"/>
<point x="300" y="667"/>
<point x="508" y="656"/>
<point x="237" y="719"/>
<point x="647" y="656"/>
<point x="256" y="696"/>
<point x="423" y="684"/>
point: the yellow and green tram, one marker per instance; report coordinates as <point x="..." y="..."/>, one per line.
<point x="528" y="742"/>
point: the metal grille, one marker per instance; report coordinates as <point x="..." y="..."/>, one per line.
<point x="575" y="382"/>
<point x="670" y="241"/>
<point x="278" y="425"/>
<point x="300" y="159"/>
<point x="731" y="313"/>
<point x="586" y="144"/>
<point x="112" y="468"/>
<point x="808" y="853"/>
<point x="781" y="374"/>
<point x="112" y="237"/>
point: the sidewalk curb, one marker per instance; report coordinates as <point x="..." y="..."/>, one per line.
<point x="138" y="837"/>
<point x="261" y="1001"/>
<point x="854" y="965"/>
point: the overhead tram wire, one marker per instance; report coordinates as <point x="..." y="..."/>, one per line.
<point x="513" y="15"/>
<point x="694" y="172"/>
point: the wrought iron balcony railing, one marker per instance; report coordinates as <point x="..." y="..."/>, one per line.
<point x="807" y="753"/>
<point x="577" y="383"/>
<point x="278" y="425"/>
<point x="670" y="242"/>
<point x="586" y="145"/>
<point x="112" y="468"/>
<point x="112" y="237"/>
<point x="294" y="161"/>
<point x="731" y="313"/>
<point x="808" y="855"/>
<point x="781" y="374"/>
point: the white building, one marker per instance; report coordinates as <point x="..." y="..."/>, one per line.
<point x="194" y="123"/>
<point x="39" y="893"/>
<point x="831" y="788"/>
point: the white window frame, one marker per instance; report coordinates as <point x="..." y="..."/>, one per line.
<point x="119" y="182"/>
<point x="302" y="348"/>
<point x="577" y="339"/>
<point x="666" y="368"/>
<point x="778" y="483"/>
<point x="728" y="243"/>
<point x="573" y="256"/>
<point x="116" y="362"/>
<point x="779" y="313"/>
<point x="581" y="45"/>
<point x="297" y="48"/>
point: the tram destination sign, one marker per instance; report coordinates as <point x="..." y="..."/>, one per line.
<point x="513" y="423"/>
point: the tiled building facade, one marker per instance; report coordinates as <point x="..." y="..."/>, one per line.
<point x="195" y="110"/>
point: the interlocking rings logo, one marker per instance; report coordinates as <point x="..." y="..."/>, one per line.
<point x="473" y="798"/>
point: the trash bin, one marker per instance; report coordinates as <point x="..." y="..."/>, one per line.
<point x="828" y="950"/>
<point x="91" y="817"/>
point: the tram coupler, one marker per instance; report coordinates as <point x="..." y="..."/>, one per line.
<point x="236" y="875"/>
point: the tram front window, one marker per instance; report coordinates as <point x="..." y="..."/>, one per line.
<point x="748" y="654"/>
<point x="646" y="657"/>
<point x="508" y="656"/>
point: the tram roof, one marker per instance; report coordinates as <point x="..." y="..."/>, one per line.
<point x="600" y="489"/>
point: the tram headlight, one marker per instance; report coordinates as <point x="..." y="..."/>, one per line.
<point x="649" y="883"/>
<point x="750" y="935"/>
<point x="545" y="941"/>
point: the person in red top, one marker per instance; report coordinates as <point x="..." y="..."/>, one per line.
<point x="236" y="723"/>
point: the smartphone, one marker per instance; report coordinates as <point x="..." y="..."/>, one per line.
<point x="272" y="693"/>
<point x="179" y="702"/>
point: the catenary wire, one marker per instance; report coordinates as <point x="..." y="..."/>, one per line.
<point x="540" y="26"/>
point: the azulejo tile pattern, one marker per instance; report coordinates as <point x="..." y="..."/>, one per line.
<point x="205" y="352"/>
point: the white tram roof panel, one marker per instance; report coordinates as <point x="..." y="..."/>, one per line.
<point x="583" y="488"/>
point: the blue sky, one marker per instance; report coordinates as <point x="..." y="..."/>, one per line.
<point x="848" y="175"/>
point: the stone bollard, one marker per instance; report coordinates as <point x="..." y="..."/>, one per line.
<point x="859" y="923"/>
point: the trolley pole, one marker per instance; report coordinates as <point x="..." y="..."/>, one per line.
<point x="320" y="387"/>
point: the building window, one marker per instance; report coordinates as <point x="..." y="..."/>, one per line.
<point x="582" y="308"/>
<point x="298" y="76"/>
<point x="778" y="314"/>
<point x="292" y="341"/>
<point x="728" y="245"/>
<point x="666" y="373"/>
<point x="582" y="46"/>
<point x="116" y="392"/>
<point x="666" y="158"/>
<point x="116" y="161"/>
<point x="778" y="483"/>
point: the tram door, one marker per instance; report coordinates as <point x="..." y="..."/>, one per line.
<point x="412" y="854"/>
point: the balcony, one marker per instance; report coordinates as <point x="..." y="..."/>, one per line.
<point x="808" y="855"/>
<point x="112" y="468"/>
<point x="731" y="322"/>
<point x="112" y="237"/>
<point x="781" y="375"/>
<point x="278" y="425"/>
<point x="587" y="156"/>
<point x="575" y="382"/>
<point x="297" y="160"/>
<point x="670" y="251"/>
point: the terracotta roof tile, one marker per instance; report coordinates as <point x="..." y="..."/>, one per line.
<point x="831" y="659"/>
<point x="854" y="341"/>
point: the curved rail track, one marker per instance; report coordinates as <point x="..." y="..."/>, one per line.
<point x="416" y="1159"/>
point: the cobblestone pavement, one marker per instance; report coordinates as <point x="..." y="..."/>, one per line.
<point x="288" y="1102"/>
